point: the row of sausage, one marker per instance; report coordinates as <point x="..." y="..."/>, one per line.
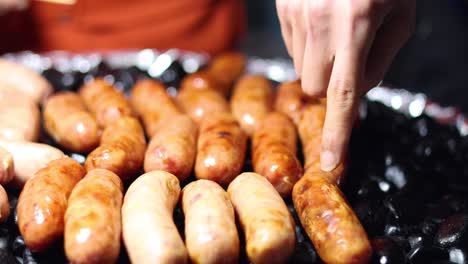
<point x="211" y="138"/>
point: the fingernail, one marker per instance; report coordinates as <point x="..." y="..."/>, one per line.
<point x="327" y="161"/>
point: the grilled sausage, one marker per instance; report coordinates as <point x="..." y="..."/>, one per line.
<point x="105" y="102"/>
<point x="23" y="79"/>
<point x="149" y="232"/>
<point x="274" y="152"/>
<point x="200" y="80"/>
<point x="28" y="158"/>
<point x="151" y="102"/>
<point x="93" y="219"/>
<point x="173" y="147"/>
<point x="290" y="99"/>
<point x="69" y="123"/>
<point x="210" y="228"/>
<point x="221" y="149"/>
<point x="7" y="166"/>
<point x="267" y="223"/>
<point x="251" y="100"/>
<point x="122" y="149"/>
<point x="200" y="103"/>
<point x="329" y="221"/>
<point x="43" y="201"/>
<point x="4" y="205"/>
<point x="19" y="116"/>
<point x="226" y="68"/>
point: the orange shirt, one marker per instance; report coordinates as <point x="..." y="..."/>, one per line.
<point x="200" y="25"/>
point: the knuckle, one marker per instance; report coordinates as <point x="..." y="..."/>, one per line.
<point x="343" y="93"/>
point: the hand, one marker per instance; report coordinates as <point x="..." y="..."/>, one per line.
<point x="342" y="48"/>
<point x="12" y="5"/>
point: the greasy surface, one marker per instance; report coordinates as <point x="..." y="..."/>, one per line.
<point x="7" y="166"/>
<point x="330" y="223"/>
<point x="122" y="149"/>
<point x="25" y="80"/>
<point x="43" y="201"/>
<point x="29" y="157"/>
<point x="264" y="217"/>
<point x="226" y="68"/>
<point x="105" y="102"/>
<point x="93" y="220"/>
<point x="149" y="232"/>
<point x="289" y="99"/>
<point x="4" y="205"/>
<point x="69" y="123"/>
<point x="221" y="149"/>
<point x="210" y="228"/>
<point x="19" y="116"/>
<point x="173" y="147"/>
<point x="274" y="145"/>
<point x="251" y="100"/>
<point x="199" y="104"/>
<point x="151" y="102"/>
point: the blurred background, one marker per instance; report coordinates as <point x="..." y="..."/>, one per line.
<point x="434" y="61"/>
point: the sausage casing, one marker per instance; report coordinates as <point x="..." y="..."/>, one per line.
<point x="28" y="158"/>
<point x="274" y="152"/>
<point x="226" y="68"/>
<point x="200" y="80"/>
<point x="210" y="228"/>
<point x="149" y="232"/>
<point x="106" y="102"/>
<point x="93" y="219"/>
<point x="173" y="147"/>
<point x="122" y="149"/>
<point x="4" y="205"/>
<point x="7" y="166"/>
<point x="221" y="149"/>
<point x="267" y="223"/>
<point x="151" y="102"/>
<point x="200" y="103"/>
<point x="25" y="80"/>
<point x="43" y="201"/>
<point x="251" y="100"/>
<point x="69" y="123"/>
<point x="330" y="223"/>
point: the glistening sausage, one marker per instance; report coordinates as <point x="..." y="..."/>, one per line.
<point x="93" y="219"/>
<point x="199" y="104"/>
<point x="43" y="201"/>
<point x="274" y="152"/>
<point x="220" y="149"/>
<point x="149" y="232"/>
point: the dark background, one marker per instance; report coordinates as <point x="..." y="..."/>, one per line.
<point x="434" y="61"/>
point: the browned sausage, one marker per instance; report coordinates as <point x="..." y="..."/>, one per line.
<point x="105" y="102"/>
<point x="220" y="149"/>
<point x="267" y="223"/>
<point x="19" y="116"/>
<point x="210" y="227"/>
<point x="274" y="152"/>
<point x="122" y="149"/>
<point x="43" y="201"/>
<point x="330" y="223"/>
<point x="289" y="99"/>
<point x="226" y="68"/>
<point x="4" y="205"/>
<point x="200" y="103"/>
<point x="173" y="147"/>
<point x="69" y="123"/>
<point x="149" y="232"/>
<point x="151" y="102"/>
<point x="93" y="219"/>
<point x="251" y="100"/>
<point x="25" y="80"/>
<point x="7" y="166"/>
